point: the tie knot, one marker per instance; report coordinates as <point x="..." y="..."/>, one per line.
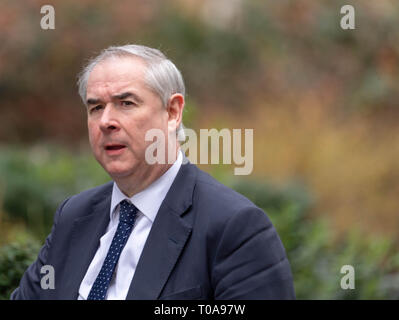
<point x="127" y="212"/>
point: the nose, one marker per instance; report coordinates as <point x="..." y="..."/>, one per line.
<point x="108" y="121"/>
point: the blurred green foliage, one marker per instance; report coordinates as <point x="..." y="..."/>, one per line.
<point x="35" y="181"/>
<point x="14" y="260"/>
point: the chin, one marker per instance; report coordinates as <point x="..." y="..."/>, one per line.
<point x="117" y="171"/>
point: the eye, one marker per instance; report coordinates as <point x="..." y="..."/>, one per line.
<point x="127" y="103"/>
<point x="96" y="108"/>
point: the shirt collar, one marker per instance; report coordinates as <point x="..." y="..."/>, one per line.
<point x="150" y="199"/>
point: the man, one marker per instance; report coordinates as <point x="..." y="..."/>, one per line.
<point x="158" y="231"/>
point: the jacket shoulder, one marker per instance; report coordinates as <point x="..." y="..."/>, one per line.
<point x="93" y="192"/>
<point x="82" y="202"/>
<point x="219" y="198"/>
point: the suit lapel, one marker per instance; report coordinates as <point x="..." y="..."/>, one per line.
<point x="87" y="232"/>
<point x="169" y="233"/>
<point x="163" y="246"/>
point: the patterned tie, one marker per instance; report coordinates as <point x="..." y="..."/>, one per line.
<point x="127" y="216"/>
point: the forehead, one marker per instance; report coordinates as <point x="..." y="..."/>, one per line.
<point x="116" y="73"/>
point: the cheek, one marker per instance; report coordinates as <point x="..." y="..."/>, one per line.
<point x="93" y="136"/>
<point x="138" y="128"/>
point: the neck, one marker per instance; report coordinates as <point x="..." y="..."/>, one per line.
<point x="142" y="177"/>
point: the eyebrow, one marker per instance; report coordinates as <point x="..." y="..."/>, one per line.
<point x="121" y="96"/>
<point x="93" y="101"/>
<point x="125" y="95"/>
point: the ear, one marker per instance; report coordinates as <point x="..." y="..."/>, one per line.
<point x="175" y="111"/>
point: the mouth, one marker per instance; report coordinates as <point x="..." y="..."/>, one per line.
<point x="114" y="149"/>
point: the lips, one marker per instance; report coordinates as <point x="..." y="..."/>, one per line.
<point x="114" y="146"/>
<point x="114" y="149"/>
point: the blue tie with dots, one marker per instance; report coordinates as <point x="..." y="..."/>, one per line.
<point x="127" y="216"/>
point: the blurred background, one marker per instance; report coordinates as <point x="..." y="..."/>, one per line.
<point x="323" y="103"/>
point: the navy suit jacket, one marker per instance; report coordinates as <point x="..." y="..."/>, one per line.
<point x="206" y="242"/>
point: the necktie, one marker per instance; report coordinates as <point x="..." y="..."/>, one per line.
<point x="127" y="216"/>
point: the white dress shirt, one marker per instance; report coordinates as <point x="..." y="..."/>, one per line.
<point x="147" y="202"/>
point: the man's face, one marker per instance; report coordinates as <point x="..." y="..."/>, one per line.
<point x="121" y="109"/>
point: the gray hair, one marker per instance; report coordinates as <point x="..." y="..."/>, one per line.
<point x="162" y="76"/>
